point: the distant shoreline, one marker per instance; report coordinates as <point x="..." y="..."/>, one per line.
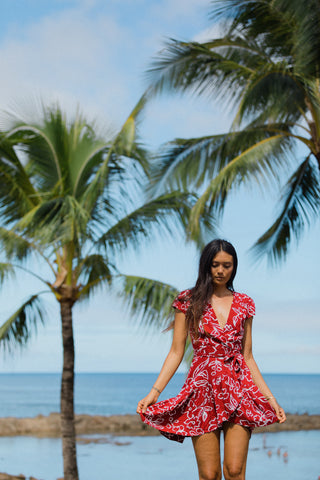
<point x="128" y="425"/>
<point x="145" y="373"/>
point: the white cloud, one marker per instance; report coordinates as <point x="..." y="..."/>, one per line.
<point x="95" y="55"/>
<point x="79" y="57"/>
<point x="68" y="56"/>
<point x="210" y="33"/>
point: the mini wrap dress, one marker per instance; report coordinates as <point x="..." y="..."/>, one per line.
<point x="219" y="385"/>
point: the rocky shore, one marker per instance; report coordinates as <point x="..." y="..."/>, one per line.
<point x="7" y="476"/>
<point x="129" y="425"/>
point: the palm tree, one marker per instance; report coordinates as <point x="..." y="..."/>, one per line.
<point x="267" y="65"/>
<point x="68" y="198"/>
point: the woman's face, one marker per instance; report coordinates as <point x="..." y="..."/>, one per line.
<point x="221" y="268"/>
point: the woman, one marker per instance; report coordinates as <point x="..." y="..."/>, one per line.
<point x="224" y="389"/>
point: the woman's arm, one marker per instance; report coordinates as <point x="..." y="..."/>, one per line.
<point x="255" y="372"/>
<point x="170" y="364"/>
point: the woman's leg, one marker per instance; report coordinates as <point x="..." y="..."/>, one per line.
<point x="236" y="444"/>
<point x="207" y="450"/>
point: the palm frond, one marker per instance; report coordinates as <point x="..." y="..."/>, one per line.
<point x="306" y="46"/>
<point x="94" y="272"/>
<point x="87" y="291"/>
<point x="270" y="92"/>
<point x="137" y="224"/>
<point x="268" y="64"/>
<point x="6" y="270"/>
<point x="125" y="140"/>
<point x="148" y="299"/>
<point x="19" y="248"/>
<point x="57" y="220"/>
<point x="93" y="267"/>
<point x="186" y="162"/>
<point x="259" y="162"/>
<point x="300" y="205"/>
<point x="15" y="246"/>
<point x="36" y="141"/>
<point x="17" y="330"/>
<point x="17" y="194"/>
<point x="165" y="214"/>
<point x="200" y="68"/>
<point x="286" y="28"/>
<point x="124" y="145"/>
<point x="193" y="162"/>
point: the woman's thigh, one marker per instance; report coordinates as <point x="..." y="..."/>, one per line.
<point x="207" y="451"/>
<point x="236" y="444"/>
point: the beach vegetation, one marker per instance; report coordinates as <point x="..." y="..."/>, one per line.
<point x="71" y="202"/>
<point x="264" y="67"/>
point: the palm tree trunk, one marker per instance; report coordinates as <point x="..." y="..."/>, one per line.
<point x="67" y="393"/>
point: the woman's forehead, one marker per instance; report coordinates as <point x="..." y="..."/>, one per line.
<point x="223" y="257"/>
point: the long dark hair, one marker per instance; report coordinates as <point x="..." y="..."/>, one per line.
<point x="202" y="292"/>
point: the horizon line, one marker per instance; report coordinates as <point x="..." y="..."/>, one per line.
<point x="133" y="373"/>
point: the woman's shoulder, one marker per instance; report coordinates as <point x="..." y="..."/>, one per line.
<point x="185" y="294"/>
<point x="243" y="296"/>
<point x="182" y="300"/>
<point x="246" y="301"/>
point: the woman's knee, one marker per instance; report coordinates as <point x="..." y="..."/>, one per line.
<point x="210" y="475"/>
<point x="233" y="471"/>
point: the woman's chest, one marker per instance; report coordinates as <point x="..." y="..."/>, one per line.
<point x="233" y="324"/>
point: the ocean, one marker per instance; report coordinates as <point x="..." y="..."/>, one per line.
<point x="29" y="394"/>
<point x="280" y="456"/>
<point x="133" y="458"/>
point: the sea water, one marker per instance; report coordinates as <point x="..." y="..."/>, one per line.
<point x="280" y="456"/>
<point x="133" y="458"/>
<point x="27" y="395"/>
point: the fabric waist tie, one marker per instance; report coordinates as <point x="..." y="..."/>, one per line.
<point x="224" y="356"/>
<point x="231" y="358"/>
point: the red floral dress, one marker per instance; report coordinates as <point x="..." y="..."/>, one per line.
<point x="219" y="386"/>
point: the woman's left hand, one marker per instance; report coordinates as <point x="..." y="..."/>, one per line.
<point x="279" y="411"/>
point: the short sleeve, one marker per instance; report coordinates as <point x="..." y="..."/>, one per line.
<point x="182" y="301"/>
<point x="251" y="309"/>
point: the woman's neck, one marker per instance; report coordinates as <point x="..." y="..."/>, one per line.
<point x="221" y="291"/>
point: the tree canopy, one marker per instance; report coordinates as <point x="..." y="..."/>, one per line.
<point x="73" y="199"/>
<point x="266" y="65"/>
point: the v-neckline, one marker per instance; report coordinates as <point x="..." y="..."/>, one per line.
<point x="228" y="317"/>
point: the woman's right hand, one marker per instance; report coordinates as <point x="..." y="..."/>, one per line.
<point x="150" y="399"/>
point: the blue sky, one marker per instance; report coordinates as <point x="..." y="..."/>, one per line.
<point x="95" y="54"/>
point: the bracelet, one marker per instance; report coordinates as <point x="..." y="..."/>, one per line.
<point x="156" y="389"/>
<point x="269" y="398"/>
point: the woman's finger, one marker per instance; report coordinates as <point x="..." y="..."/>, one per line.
<point x="139" y="407"/>
<point x="281" y="415"/>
